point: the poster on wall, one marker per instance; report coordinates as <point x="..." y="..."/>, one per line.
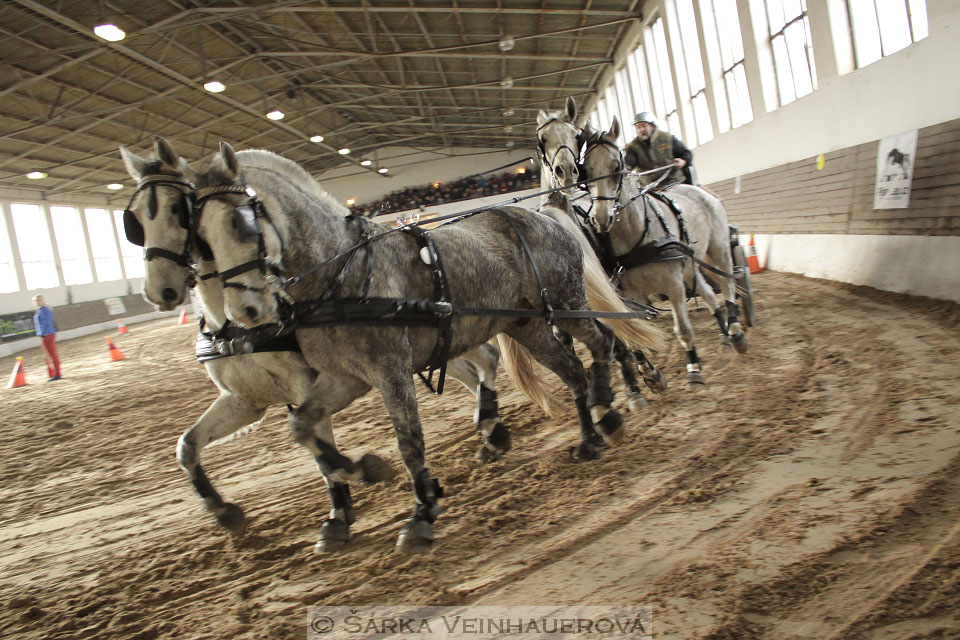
<point x="895" y="158"/>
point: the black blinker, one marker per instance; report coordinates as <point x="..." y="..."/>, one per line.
<point x="186" y="211"/>
<point x="205" y="252"/>
<point x="246" y="223"/>
<point x="132" y="228"/>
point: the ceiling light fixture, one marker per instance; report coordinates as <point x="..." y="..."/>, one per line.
<point x="351" y="202"/>
<point x="507" y="82"/>
<point x="509" y="143"/>
<point x="316" y="138"/>
<point x="382" y="170"/>
<point x="214" y="87"/>
<point x="109" y="32"/>
<point x="508" y="113"/>
<point x="343" y="151"/>
<point x="36" y="175"/>
<point x="276" y="114"/>
<point x="506" y="43"/>
<point x="114" y="186"/>
<point x="366" y="163"/>
<point x="508" y="128"/>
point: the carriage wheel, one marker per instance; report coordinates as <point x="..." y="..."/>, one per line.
<point x="744" y="291"/>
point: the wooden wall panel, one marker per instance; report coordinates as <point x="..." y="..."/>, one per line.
<point x="798" y="198"/>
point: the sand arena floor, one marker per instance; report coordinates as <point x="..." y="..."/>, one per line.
<point x="811" y="490"/>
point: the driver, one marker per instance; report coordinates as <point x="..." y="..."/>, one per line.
<point x="654" y="148"/>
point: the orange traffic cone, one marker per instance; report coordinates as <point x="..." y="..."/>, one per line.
<point x="115" y="354"/>
<point x="17" y="377"/>
<point x="752" y="260"/>
<point x="122" y="328"/>
<point x="183" y="317"/>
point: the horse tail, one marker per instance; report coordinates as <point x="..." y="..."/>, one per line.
<point x="523" y="370"/>
<point x="601" y="296"/>
<point x="638" y="333"/>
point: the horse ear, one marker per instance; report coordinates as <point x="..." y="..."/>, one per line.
<point x="589" y="133"/>
<point x="164" y="151"/>
<point x="135" y="164"/>
<point x="615" y="128"/>
<point x="571" y="108"/>
<point x="542" y="117"/>
<point x="229" y="159"/>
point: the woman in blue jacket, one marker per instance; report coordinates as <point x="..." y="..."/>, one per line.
<point x="43" y="321"/>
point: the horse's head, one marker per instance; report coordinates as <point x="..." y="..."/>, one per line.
<point x="603" y="157"/>
<point x="232" y="220"/>
<point x="558" y="143"/>
<point x="158" y="218"/>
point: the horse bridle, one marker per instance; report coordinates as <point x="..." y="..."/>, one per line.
<point x="575" y="153"/>
<point x="617" y="207"/>
<point x="185" y="215"/>
<point x="246" y="220"/>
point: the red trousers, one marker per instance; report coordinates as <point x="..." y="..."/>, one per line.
<point x="50" y="353"/>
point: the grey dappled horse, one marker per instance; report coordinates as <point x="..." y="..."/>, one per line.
<point x="618" y="209"/>
<point x="289" y="228"/>
<point x="558" y="206"/>
<point x="249" y="383"/>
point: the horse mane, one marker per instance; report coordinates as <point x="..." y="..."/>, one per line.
<point x="261" y="159"/>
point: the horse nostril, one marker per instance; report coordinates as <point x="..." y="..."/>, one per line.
<point x="560" y="171"/>
<point x="251" y="312"/>
<point x="169" y="295"/>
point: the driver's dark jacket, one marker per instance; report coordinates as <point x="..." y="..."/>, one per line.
<point x="658" y="151"/>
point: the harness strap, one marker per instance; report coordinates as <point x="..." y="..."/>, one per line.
<point x="548" y="309"/>
<point x="232" y="340"/>
<point x="181" y="259"/>
<point x="441" y="294"/>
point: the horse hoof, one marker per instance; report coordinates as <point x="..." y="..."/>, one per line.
<point x="739" y="340"/>
<point x="485" y="455"/>
<point x="611" y="427"/>
<point x="585" y="451"/>
<point x="695" y="380"/>
<point x="232" y="519"/>
<point x="636" y="401"/>
<point x="656" y="381"/>
<point x="334" y="535"/>
<point x="416" y="537"/>
<point x="376" y="469"/>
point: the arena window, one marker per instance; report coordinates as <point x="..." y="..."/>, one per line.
<point x="104" y="245"/>
<point x="792" y="48"/>
<point x="36" y="250"/>
<point x="71" y="245"/>
<point x="883" y="27"/>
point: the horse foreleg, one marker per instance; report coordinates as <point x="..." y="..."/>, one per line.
<point x="652" y="376"/>
<point x="628" y="368"/>
<point x="486" y="418"/>
<point x="399" y="397"/>
<point x="560" y="359"/>
<point x="226" y="415"/>
<point x="312" y="428"/>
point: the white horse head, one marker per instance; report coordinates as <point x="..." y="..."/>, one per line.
<point x="558" y="143"/>
<point x="158" y="219"/>
<point x="234" y="221"/>
<point x="603" y="157"/>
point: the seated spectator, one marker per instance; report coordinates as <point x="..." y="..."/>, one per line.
<point x="463" y="189"/>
